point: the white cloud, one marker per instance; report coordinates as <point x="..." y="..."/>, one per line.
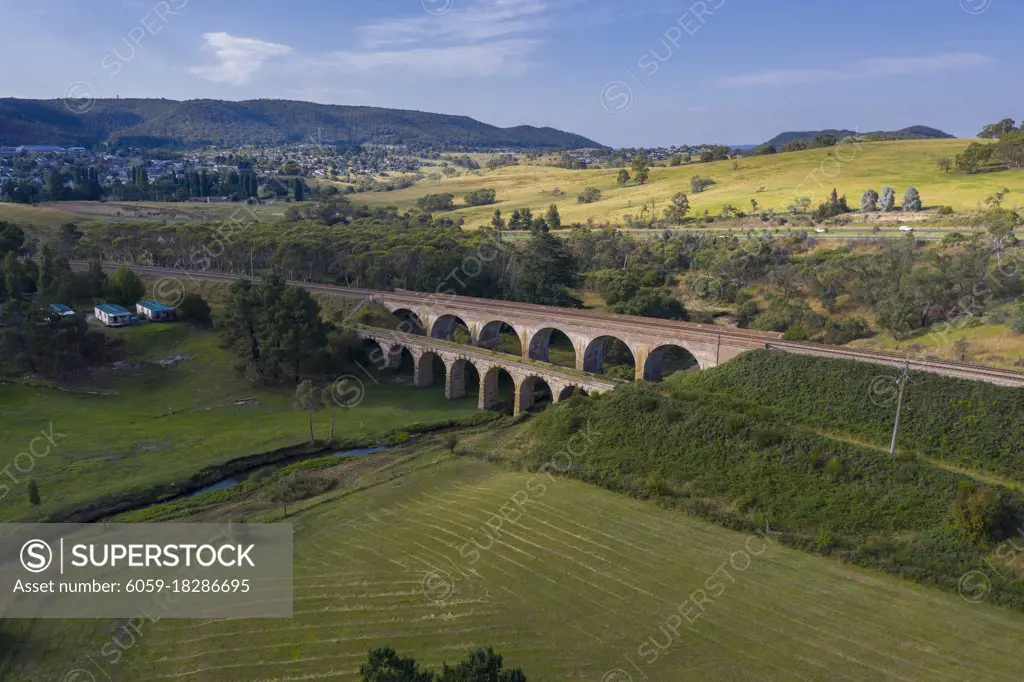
<point x="473" y="39"/>
<point x="239" y="59"/>
<point x="485" y="20"/>
<point x="503" y="57"/>
<point x="476" y="38"/>
<point x="871" y="68"/>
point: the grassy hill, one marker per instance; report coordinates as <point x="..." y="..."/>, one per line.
<point x="577" y="587"/>
<point x="774" y="181"/>
<point x="162" y="122"/>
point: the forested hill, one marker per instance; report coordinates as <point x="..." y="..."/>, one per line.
<point x="909" y="133"/>
<point x="161" y="122"/>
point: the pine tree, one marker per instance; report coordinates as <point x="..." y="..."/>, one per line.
<point x="553" y="218"/>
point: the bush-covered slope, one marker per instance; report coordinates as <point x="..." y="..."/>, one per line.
<point x="161" y="122"/>
<point x="970" y="423"/>
<point x="743" y="467"/>
<point x="908" y="133"/>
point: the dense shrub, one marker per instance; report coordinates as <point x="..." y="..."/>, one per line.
<point x="195" y="309"/>
<point x="436" y="202"/>
<point x="978" y="513"/>
<point x="969" y="423"/>
<point x="741" y="465"/>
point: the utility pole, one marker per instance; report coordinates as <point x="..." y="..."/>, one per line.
<point x="899" y="407"/>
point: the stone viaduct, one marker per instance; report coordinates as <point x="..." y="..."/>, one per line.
<point x="488" y="364"/>
<point x="438" y="316"/>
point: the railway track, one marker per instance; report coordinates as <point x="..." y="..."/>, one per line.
<point x="772" y="341"/>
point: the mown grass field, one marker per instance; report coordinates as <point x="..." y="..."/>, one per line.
<point x="151" y="424"/>
<point x="782" y="177"/>
<point x="571" y="590"/>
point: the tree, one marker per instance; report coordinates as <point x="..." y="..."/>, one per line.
<point x="55" y="189"/>
<point x="824" y="140"/>
<point x="835" y="205"/>
<point x="996" y="200"/>
<point x="888" y="201"/>
<point x="975" y="157"/>
<point x="275" y="327"/>
<point x="328" y="398"/>
<point x="869" y="201"/>
<point x="545" y="270"/>
<point x="481" y="197"/>
<point x="652" y="302"/>
<point x="676" y="213"/>
<point x="12" y="238"/>
<point x="945" y="163"/>
<point x="623" y="178"/>
<point x="96" y="279"/>
<point x="978" y="513"/>
<point x="309" y="398"/>
<point x="793" y="146"/>
<point x="522" y="219"/>
<point x="195" y="309"/>
<point x="482" y="665"/>
<point x="432" y="203"/>
<point x="911" y="200"/>
<point x="765" y="150"/>
<point x="699" y="184"/>
<point x="589" y="195"/>
<point x="47" y="267"/>
<point x="799" y="205"/>
<point x="1010" y="149"/>
<point x="124" y="287"/>
<point x="497" y="222"/>
<point x="997" y="129"/>
<point x="641" y="168"/>
<point x="33" y="495"/>
<point x="1000" y="223"/>
<point x="299" y="190"/>
<point x="385" y="665"/>
<point x="553" y="217"/>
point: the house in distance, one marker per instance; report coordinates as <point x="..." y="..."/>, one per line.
<point x="112" y="315"/>
<point x="155" y="311"/>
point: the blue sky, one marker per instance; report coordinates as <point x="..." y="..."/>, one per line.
<point x="648" y="72"/>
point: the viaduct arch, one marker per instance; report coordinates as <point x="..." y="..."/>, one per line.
<point x="488" y="365"/>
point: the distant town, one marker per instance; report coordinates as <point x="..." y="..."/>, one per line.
<point x="34" y="173"/>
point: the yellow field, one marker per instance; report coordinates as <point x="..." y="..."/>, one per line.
<point x="772" y="180"/>
<point x="53" y="215"/>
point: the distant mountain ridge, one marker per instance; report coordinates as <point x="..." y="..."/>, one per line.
<point x="909" y="133"/>
<point x="196" y="123"/>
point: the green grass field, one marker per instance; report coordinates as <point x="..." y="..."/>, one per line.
<point x="152" y="424"/>
<point x="782" y="177"/>
<point x="579" y="584"/>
